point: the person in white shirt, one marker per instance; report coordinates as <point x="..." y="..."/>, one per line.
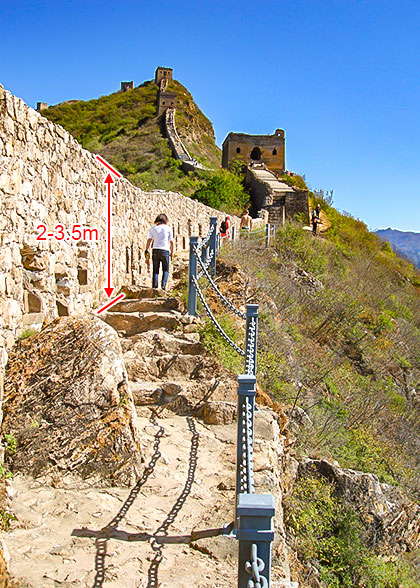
<point x="162" y="250"/>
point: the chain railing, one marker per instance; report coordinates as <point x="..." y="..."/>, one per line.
<point x="253" y="512"/>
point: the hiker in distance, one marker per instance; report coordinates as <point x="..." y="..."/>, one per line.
<point x="315" y="220"/>
<point x="162" y="249"/>
<point x="246" y="223"/>
<point x="224" y="228"/>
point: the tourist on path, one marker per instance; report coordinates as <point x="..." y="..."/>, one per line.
<point x="224" y="228"/>
<point x="246" y="223"/>
<point x="315" y="220"/>
<point x="162" y="249"/>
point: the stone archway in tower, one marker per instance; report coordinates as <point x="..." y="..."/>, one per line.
<point x="256" y="154"/>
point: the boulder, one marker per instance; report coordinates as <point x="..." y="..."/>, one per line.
<point x="390" y="517"/>
<point x="68" y="405"/>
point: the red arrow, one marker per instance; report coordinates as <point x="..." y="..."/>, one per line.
<point x="109" y="290"/>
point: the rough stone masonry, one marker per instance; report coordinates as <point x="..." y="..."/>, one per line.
<point x="47" y="178"/>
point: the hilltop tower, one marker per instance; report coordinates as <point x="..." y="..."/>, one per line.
<point x="267" y="149"/>
<point x="163" y="75"/>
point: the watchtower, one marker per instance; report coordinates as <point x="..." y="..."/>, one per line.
<point x="163" y="72"/>
<point x="41" y="106"/>
<point x="125" y="86"/>
<point x="267" y="149"/>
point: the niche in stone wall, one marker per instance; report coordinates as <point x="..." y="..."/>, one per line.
<point x="62" y="309"/>
<point x="33" y="303"/>
<point x="184" y="243"/>
<point x="200" y="230"/>
<point x="82" y="276"/>
<point x="82" y="266"/>
<point x="127" y="260"/>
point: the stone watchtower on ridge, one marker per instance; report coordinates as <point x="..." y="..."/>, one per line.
<point x="267" y="149"/>
<point x="163" y="75"/>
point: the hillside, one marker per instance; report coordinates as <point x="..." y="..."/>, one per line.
<point x="123" y="128"/>
<point x="339" y="351"/>
<point x="405" y="243"/>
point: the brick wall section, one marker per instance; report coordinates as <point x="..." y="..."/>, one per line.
<point x="47" y="177"/>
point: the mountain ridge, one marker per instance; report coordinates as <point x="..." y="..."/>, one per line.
<point x="405" y="243"/>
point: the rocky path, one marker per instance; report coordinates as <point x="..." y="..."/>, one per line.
<point x="170" y="528"/>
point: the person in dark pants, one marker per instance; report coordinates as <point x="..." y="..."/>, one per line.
<point x="162" y="250"/>
<point x="315" y="220"/>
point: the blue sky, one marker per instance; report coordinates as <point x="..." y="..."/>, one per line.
<point x="340" y="76"/>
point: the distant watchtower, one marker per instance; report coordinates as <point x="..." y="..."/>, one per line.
<point x="125" y="86"/>
<point x="41" y="106"/>
<point x="163" y="73"/>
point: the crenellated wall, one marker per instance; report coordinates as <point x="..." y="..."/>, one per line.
<point x="47" y="177"/>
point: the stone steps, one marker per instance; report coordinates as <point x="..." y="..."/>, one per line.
<point x="147" y="305"/>
<point x="128" y="324"/>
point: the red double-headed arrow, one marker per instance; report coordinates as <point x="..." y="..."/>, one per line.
<point x="109" y="289"/>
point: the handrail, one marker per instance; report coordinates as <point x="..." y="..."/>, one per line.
<point x="253" y="512"/>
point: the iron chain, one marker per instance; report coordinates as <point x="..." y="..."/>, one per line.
<point x="206" y="239"/>
<point x="251" y="347"/>
<point x="207" y="265"/>
<point x="216" y="324"/>
<point x="215" y="288"/>
<point x="247" y="449"/>
<point x="254" y="567"/>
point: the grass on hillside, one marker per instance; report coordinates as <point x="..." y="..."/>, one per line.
<point x="339" y="336"/>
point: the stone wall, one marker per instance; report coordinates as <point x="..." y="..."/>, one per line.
<point x="282" y="202"/>
<point x="47" y="178"/>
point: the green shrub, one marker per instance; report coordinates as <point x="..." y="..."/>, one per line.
<point x="331" y="537"/>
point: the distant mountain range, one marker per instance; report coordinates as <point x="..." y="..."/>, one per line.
<point x="403" y="242"/>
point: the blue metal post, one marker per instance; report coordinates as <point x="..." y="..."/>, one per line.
<point x="267" y="235"/>
<point x="192" y="292"/>
<point x="204" y="254"/>
<point x="255" y="534"/>
<point x="213" y="244"/>
<point x="251" y="339"/>
<point x="244" y="479"/>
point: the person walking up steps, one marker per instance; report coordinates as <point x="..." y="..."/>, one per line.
<point x="162" y="249"/>
<point x="246" y="223"/>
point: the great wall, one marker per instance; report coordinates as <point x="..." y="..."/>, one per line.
<point x="48" y="180"/>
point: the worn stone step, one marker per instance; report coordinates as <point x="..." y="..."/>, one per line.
<point x="129" y="324"/>
<point x="147" y="305"/>
<point x="167" y="366"/>
<point x="161" y="342"/>
<point x="136" y="292"/>
<point x="160" y="392"/>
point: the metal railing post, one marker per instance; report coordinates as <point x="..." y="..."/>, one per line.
<point x="244" y="453"/>
<point x="192" y="291"/>
<point x="267" y="235"/>
<point x="233" y="234"/>
<point x="251" y="339"/>
<point x="273" y="232"/>
<point x="255" y="533"/>
<point x="213" y="244"/>
<point x="204" y="254"/>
